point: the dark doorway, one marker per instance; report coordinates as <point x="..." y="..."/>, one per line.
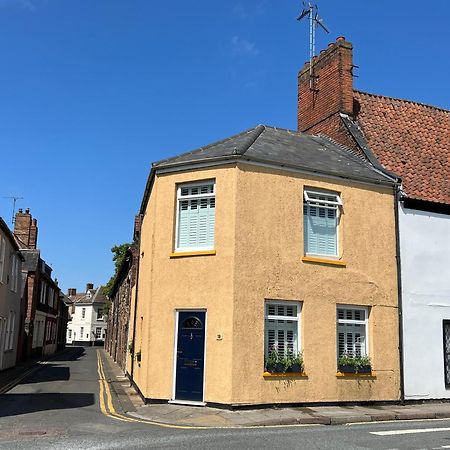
<point x="190" y="355"/>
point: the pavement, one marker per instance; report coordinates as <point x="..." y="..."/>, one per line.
<point x="131" y="404"/>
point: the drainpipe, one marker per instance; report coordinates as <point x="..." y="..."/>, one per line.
<point x="397" y="195"/>
<point x="135" y="302"/>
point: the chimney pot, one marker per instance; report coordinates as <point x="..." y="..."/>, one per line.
<point x="340" y="38"/>
<point x="27" y="211"/>
<point x="20" y="210"/>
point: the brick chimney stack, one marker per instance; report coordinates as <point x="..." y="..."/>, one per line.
<point x="71" y="292"/>
<point x="26" y="229"/>
<point x="318" y="109"/>
<point x="89" y="286"/>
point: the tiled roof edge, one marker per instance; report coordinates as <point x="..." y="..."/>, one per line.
<point x="403" y="100"/>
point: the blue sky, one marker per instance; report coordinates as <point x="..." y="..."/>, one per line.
<point x="93" y="91"/>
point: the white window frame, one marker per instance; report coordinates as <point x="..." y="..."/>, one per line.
<point x="81" y="333"/>
<point x="364" y="322"/>
<point x="98" y="335"/>
<point x="83" y="313"/>
<point x="100" y="315"/>
<point x="14" y="273"/>
<point x="296" y="318"/>
<point x="2" y="259"/>
<point x="192" y="197"/>
<point x="326" y="204"/>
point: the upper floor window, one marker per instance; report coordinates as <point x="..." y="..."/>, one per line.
<point x="14" y="280"/>
<point x="2" y="258"/>
<point x="195" y="216"/>
<point x="320" y="222"/>
<point x="83" y="313"/>
<point x="100" y="314"/>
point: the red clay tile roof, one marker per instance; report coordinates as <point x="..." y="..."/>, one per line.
<point x="410" y="139"/>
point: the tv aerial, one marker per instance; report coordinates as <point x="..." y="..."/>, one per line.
<point x="14" y="201"/>
<point x="310" y="10"/>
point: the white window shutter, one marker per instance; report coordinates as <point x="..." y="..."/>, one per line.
<point x="196" y="217"/>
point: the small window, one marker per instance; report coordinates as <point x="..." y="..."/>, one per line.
<point x="446" y="333"/>
<point x="2" y="258"/>
<point x="14" y="280"/>
<point x="282" y="327"/>
<point x="81" y="332"/>
<point x="98" y="333"/>
<point x="100" y="314"/>
<point x="196" y="204"/>
<point x="320" y="222"/>
<point x="70" y="334"/>
<point x="352" y="331"/>
<point x="192" y="323"/>
<point x="83" y="313"/>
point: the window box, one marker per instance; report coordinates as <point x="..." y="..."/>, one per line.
<point x="352" y="369"/>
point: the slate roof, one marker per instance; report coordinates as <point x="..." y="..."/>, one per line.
<point x="410" y="139"/>
<point x="97" y="296"/>
<point x="283" y="148"/>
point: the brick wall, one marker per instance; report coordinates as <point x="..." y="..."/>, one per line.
<point x="332" y="93"/>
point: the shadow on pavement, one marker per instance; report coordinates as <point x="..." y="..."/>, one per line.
<point x="48" y="373"/>
<point x="15" y="404"/>
<point x="70" y="354"/>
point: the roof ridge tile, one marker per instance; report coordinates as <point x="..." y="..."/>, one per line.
<point x="439" y="108"/>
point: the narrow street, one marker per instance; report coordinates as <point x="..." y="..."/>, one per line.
<point x="66" y="404"/>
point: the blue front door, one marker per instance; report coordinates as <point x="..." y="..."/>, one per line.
<point x="190" y="355"/>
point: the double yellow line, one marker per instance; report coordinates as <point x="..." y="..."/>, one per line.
<point x="107" y="407"/>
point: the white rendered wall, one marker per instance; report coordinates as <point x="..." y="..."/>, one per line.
<point x="425" y="259"/>
<point x="89" y="324"/>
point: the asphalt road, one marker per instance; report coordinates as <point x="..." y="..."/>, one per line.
<point x="57" y="407"/>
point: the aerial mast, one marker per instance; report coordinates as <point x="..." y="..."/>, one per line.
<point x="14" y="199"/>
<point x="311" y="11"/>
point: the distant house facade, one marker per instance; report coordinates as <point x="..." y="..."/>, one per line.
<point x="43" y="317"/>
<point x="11" y="295"/>
<point x="87" y="323"/>
<point x="412" y="140"/>
<point x="118" y="341"/>
<point x="270" y="242"/>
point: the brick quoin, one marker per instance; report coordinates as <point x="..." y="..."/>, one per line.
<point x="319" y="108"/>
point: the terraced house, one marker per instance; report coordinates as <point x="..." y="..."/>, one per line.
<point x="268" y="245"/>
<point x="412" y="140"/>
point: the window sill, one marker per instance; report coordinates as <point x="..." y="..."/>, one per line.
<point x="365" y="376"/>
<point x="330" y="262"/>
<point x="194" y="253"/>
<point x="285" y="375"/>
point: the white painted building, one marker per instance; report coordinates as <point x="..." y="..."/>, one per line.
<point x="10" y="297"/>
<point x="87" y="324"/>
<point x="425" y="260"/>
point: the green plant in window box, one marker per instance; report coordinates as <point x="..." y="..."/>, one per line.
<point x="272" y="360"/>
<point x="138" y="356"/>
<point x="348" y="363"/>
<point x="294" y="362"/>
<point x="130" y="347"/>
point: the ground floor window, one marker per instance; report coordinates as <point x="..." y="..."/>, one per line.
<point x="282" y="327"/>
<point x="352" y="331"/>
<point x="70" y="334"/>
<point x="81" y="332"/>
<point x="98" y="333"/>
<point x="446" y="332"/>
